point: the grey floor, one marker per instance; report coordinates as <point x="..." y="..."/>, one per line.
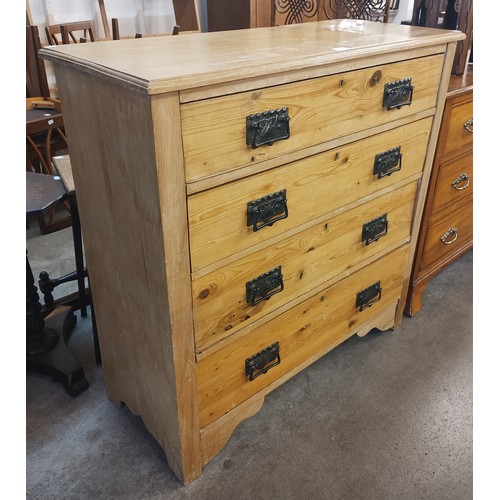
<point x="387" y="416"/>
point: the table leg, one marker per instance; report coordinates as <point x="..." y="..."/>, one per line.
<point x="46" y="351"/>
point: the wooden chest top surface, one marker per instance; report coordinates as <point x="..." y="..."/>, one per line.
<point x="164" y="64"/>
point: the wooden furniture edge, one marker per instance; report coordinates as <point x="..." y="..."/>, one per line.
<point x="159" y="346"/>
<point x="169" y="165"/>
<point x="427" y="170"/>
<point x="57" y="54"/>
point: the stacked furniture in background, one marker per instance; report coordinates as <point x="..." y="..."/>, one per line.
<point x="446" y="231"/>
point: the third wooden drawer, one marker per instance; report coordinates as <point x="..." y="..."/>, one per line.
<point x="448" y="232"/>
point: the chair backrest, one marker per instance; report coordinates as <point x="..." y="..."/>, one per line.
<point x="369" y="10"/>
<point x="65" y="33"/>
<point x="36" y="76"/>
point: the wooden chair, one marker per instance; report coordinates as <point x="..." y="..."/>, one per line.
<point x="65" y="33"/>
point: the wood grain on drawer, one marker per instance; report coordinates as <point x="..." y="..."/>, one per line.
<point x="306" y="260"/>
<point x="214" y="130"/>
<point x="314" y="187"/>
<point x="448" y="234"/>
<point x="454" y="181"/>
<point x="459" y="133"/>
<point x="301" y="332"/>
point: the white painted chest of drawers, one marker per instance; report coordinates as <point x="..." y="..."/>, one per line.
<point x="249" y="200"/>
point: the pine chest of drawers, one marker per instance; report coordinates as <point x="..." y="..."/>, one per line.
<point x="249" y="200"/>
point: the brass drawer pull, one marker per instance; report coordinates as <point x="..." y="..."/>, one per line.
<point x="468" y="125"/>
<point x="375" y="229"/>
<point x="457" y="183"/>
<point x="367" y="297"/>
<point x="268" y="127"/>
<point x="397" y="94"/>
<point x="453" y="232"/>
<point x="388" y="162"/>
<point x="267" y="210"/>
<point x="260" y="362"/>
<point x="264" y="286"/>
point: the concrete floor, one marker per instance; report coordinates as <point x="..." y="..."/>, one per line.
<point x="387" y="416"/>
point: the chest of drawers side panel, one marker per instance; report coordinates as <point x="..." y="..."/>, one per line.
<point x="123" y="214"/>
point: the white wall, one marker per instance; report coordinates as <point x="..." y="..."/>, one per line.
<point x="135" y="16"/>
<point x="405" y="11"/>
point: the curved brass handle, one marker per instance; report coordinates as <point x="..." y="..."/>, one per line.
<point x="453" y="232"/>
<point x="468" y="125"/>
<point x="461" y="178"/>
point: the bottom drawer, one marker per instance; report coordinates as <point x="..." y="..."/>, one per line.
<point x="447" y="234"/>
<point x="240" y="369"/>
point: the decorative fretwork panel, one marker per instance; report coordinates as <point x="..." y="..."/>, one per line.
<point x="295" y="11"/>
<point x="370" y="10"/>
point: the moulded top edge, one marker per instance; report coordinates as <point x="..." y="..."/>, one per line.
<point x="171" y="63"/>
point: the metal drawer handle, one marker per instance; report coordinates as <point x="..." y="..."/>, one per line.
<point x="388" y="162"/>
<point x="258" y="364"/>
<point x="267" y="127"/>
<point x="397" y="94"/>
<point x="267" y="210"/>
<point x="468" y="125"/>
<point x="369" y="296"/>
<point x="456" y="184"/>
<point x="375" y="229"/>
<point x="264" y="286"/>
<point x="453" y="232"/>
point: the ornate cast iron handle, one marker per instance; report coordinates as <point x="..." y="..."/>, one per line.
<point x="388" y="162"/>
<point x="259" y="363"/>
<point x="397" y="94"/>
<point x="267" y="210"/>
<point x="265" y="286"/>
<point x="375" y="229"/>
<point x="453" y="232"/>
<point x="456" y="184"/>
<point x="468" y="125"/>
<point x="268" y="127"/>
<point x="367" y="297"/>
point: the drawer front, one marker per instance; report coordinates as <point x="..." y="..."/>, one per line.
<point x="454" y="181"/>
<point x="460" y="127"/>
<point x="230" y="298"/>
<point x="218" y="218"/>
<point x="448" y="234"/>
<point x="317" y="323"/>
<point x="214" y="131"/>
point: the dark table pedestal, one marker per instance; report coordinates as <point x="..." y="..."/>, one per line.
<point x="46" y="337"/>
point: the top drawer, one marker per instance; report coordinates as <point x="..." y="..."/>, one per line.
<point x="214" y="131"/>
<point x="459" y="133"/>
